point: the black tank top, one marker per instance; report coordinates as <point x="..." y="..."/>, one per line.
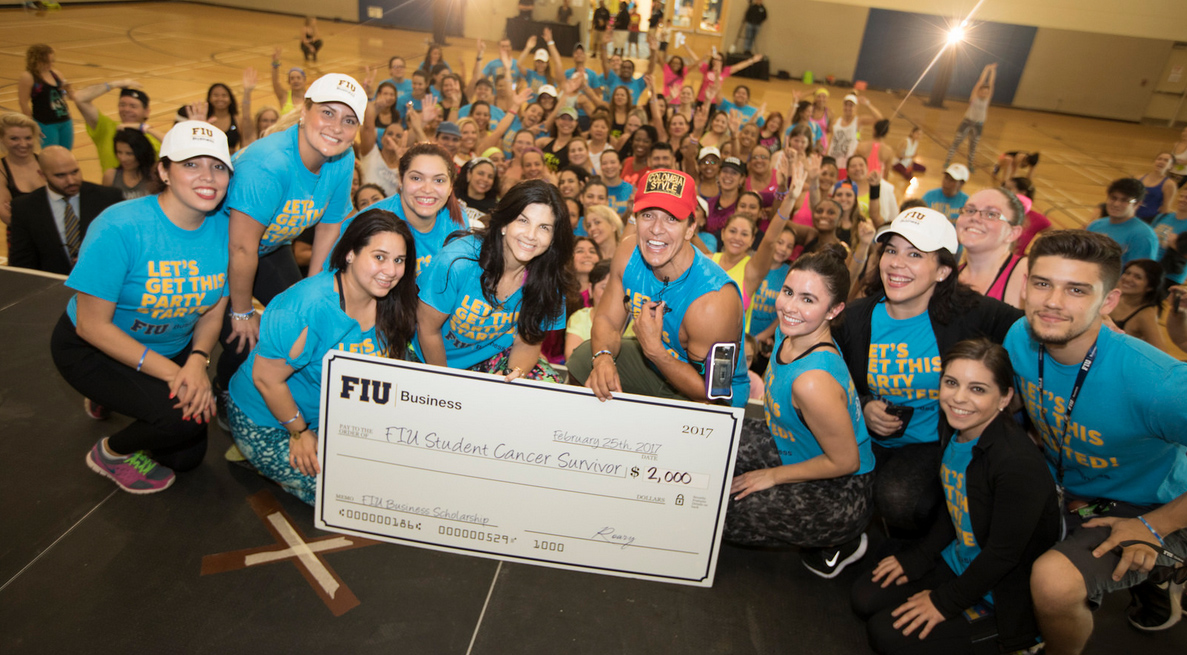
<point x="49" y="102"/>
<point x="1121" y="323"/>
<point x="13" y="191"/>
<point x="556" y="159"/>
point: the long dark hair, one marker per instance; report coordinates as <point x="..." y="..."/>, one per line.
<point x="233" y="108"/>
<point x="461" y="186"/>
<point x="141" y="149"/>
<point x="548" y="278"/>
<point x="432" y="149"/>
<point x="1156" y="291"/>
<point x="948" y="299"/>
<point x="395" y="313"/>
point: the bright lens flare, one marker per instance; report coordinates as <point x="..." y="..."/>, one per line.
<point x="956" y="35"/>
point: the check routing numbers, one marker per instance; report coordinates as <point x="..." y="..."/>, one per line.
<point x="525" y="471"/>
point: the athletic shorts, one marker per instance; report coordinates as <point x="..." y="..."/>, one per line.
<point x="1098" y="572"/>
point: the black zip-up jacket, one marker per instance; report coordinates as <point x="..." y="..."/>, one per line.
<point x="1015" y="517"/>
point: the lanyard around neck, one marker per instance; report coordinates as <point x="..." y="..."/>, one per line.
<point x="1085" y="366"/>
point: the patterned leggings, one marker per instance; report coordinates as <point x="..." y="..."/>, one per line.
<point x="813" y="514"/>
<point x="973" y="132"/>
<point x="268" y="450"/>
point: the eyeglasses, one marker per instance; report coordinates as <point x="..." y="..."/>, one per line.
<point x="1122" y="200"/>
<point x="1159" y="574"/>
<point x="761" y="157"/>
<point x="989" y="214"/>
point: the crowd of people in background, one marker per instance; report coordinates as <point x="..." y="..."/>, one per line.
<point x="608" y="224"/>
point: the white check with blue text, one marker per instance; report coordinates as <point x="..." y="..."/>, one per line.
<point x="525" y="471"/>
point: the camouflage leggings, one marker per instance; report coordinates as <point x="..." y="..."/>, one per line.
<point x="814" y="514"/>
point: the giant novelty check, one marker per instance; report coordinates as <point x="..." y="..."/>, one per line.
<point x="526" y="471"/>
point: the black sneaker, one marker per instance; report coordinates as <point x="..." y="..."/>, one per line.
<point x="829" y="562"/>
<point x="1155" y="606"/>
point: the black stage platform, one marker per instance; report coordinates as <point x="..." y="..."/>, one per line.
<point x="88" y="568"/>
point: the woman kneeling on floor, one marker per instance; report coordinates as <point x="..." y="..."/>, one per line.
<point x="136" y="338"/>
<point x="968" y="581"/>
<point x="806" y="477"/>
<point x="364" y="303"/>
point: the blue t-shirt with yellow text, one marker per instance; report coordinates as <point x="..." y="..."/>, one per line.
<point x="428" y="244"/>
<point x="1126" y="440"/>
<point x="762" y="304"/>
<point x="905" y="370"/>
<point x="160" y="277"/>
<point x="475" y="330"/>
<point x="310" y="306"/>
<point x="274" y="188"/>
<point x="619" y="197"/>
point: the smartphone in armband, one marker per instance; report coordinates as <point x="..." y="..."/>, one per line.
<point x="719" y="371"/>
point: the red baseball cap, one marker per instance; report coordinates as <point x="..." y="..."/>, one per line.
<point x="672" y="191"/>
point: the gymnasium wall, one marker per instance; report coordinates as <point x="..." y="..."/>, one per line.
<point x="1102" y="75"/>
<point x="1090" y="57"/>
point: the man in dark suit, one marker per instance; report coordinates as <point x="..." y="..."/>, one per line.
<point x="48" y="225"/>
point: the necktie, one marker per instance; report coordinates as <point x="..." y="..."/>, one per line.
<point x="72" y="230"/>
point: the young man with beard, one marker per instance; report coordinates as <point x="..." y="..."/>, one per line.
<point x="679" y="302"/>
<point x="1110" y="411"/>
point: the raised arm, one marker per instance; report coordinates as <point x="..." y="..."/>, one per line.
<point x="791" y="185"/>
<point x="657" y="118"/>
<point x="734" y="68"/>
<point x="247" y="123"/>
<point x="867" y="120"/>
<point x="554" y="57"/>
<point x="84" y="98"/>
<point x="368" y="134"/>
<point x="694" y="59"/>
<point x="472" y="85"/>
<point x="528" y="50"/>
<point x="277" y="87"/>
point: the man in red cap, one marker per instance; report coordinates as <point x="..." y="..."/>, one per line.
<point x="680" y="301"/>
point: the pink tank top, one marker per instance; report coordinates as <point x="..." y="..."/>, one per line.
<point x="874" y="163"/>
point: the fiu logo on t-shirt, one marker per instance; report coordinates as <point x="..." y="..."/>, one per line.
<point x="667" y="182"/>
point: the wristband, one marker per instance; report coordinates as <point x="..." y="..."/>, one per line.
<point x="1152" y="530"/>
<point x="875" y="192"/>
<point x="276" y="64"/>
<point x="145" y="354"/>
<point x="602" y="352"/>
<point x="245" y="316"/>
<point x="202" y="353"/>
<point x="295" y="417"/>
<point x="781" y="214"/>
<point x="106" y="87"/>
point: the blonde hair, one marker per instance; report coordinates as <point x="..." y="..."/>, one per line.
<point x="605" y="213"/>
<point x="35" y="56"/>
<point x="13" y="119"/>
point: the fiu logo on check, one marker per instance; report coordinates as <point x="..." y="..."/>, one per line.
<point x="665" y="182"/>
<point x="380" y="393"/>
